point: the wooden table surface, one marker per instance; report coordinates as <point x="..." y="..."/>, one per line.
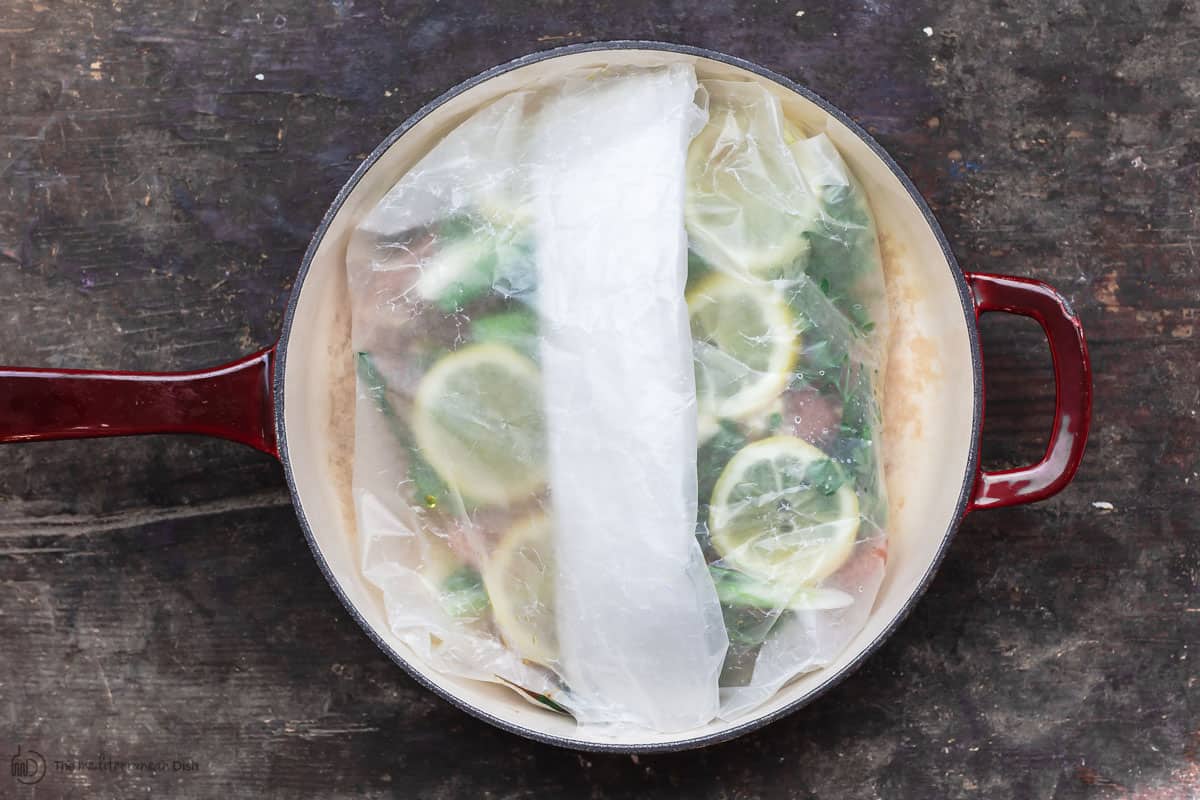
<point x="163" y="164"/>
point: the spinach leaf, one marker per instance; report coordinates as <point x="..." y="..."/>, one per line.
<point x="429" y="486"/>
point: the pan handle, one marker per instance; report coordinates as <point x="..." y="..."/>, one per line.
<point x="233" y="401"/>
<point x="1073" y="390"/>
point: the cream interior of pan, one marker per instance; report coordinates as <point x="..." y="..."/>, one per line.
<point x="929" y="389"/>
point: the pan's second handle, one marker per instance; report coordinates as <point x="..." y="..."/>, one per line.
<point x="1073" y="390"/>
<point x="232" y="401"/>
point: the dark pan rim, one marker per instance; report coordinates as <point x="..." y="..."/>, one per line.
<point x="830" y="680"/>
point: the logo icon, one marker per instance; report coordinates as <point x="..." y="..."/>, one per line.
<point x="29" y="767"/>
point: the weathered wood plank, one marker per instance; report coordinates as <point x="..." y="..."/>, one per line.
<point x="162" y="165"/>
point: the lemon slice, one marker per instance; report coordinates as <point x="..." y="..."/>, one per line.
<point x="747" y="206"/>
<point x="519" y="578"/>
<point x="477" y="420"/>
<point x="745" y="344"/>
<point x="782" y="511"/>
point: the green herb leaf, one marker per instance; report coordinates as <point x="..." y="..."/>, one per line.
<point x="548" y="703"/>
<point x="712" y="457"/>
<point x="463" y="595"/>
<point x="698" y="268"/>
<point x="429" y="487"/>
<point x="517" y="329"/>
<point x="826" y="476"/>
<point x="537" y="696"/>
<point x="739" y="590"/>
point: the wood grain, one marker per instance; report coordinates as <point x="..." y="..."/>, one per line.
<point x="162" y="166"/>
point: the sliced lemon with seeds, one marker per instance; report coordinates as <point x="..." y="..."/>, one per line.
<point x="745" y="342"/>
<point x="784" y="512"/>
<point x="477" y="419"/>
<point x="519" y="578"/>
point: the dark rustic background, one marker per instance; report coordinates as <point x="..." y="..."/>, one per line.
<point x="163" y="163"/>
